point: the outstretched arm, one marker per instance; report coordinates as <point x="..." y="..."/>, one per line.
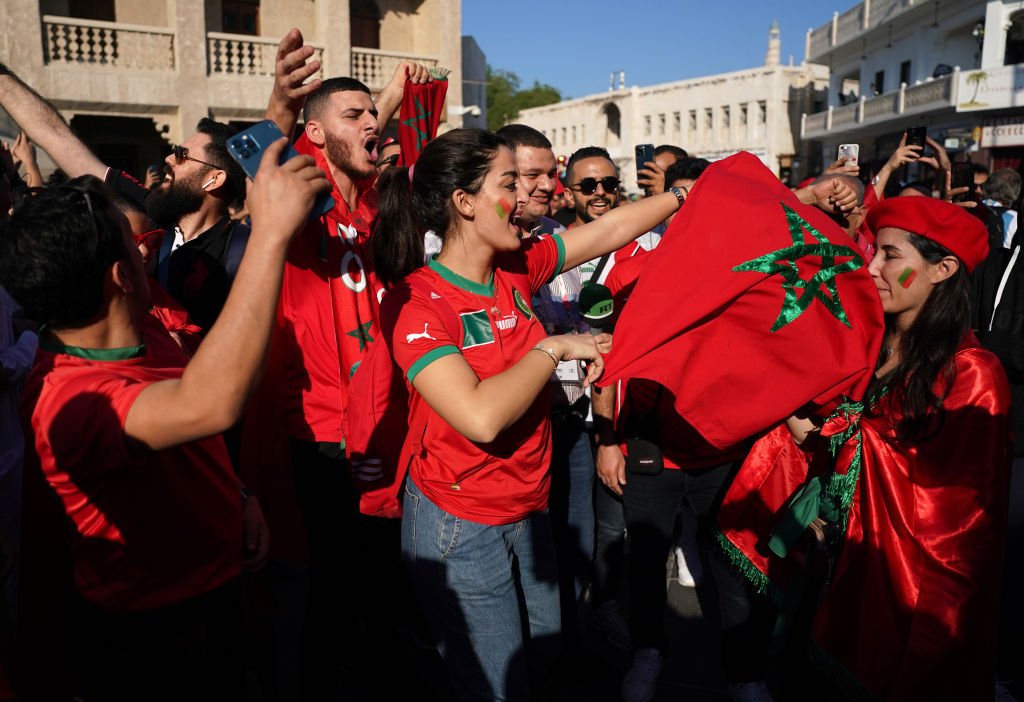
<point x="211" y="393"/>
<point x="41" y="122"/>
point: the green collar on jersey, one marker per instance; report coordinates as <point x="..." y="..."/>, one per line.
<point x="51" y="344"/>
<point x="460" y="282"/>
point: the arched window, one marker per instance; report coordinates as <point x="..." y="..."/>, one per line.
<point x="364" y="22"/>
<point x="613" y="126"/>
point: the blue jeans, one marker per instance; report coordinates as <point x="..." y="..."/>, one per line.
<point x="489" y="593"/>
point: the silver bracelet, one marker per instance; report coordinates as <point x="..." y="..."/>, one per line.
<point x="550" y="351"/>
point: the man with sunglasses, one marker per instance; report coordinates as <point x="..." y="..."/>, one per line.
<point x="198" y="260"/>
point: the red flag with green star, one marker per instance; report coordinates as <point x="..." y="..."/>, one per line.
<point x="421" y="111"/>
<point x="752" y="306"/>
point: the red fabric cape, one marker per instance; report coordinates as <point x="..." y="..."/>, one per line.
<point x="911" y="610"/>
<point x="710" y="331"/>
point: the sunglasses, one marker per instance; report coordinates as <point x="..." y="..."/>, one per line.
<point x="181" y="155"/>
<point x="588" y="186"/>
<point x="388" y="160"/>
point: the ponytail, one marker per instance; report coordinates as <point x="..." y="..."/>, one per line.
<point x="408" y="207"/>
<point x="397" y="243"/>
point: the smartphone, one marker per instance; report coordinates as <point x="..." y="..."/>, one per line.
<point x="963" y="177"/>
<point x="848" y="154"/>
<point x="916" y="136"/>
<point x="247" y="149"/>
<point x="644" y="153"/>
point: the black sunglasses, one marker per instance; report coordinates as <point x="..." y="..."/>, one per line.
<point x="181" y="155"/>
<point x="588" y="186"/>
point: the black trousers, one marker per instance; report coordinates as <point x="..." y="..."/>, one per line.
<point x="327" y="501"/>
<point x="191" y="650"/>
<point x="651" y="502"/>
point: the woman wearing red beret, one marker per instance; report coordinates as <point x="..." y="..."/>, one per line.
<point x="910" y="486"/>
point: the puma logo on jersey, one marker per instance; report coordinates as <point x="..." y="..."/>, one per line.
<point x="507" y="322"/>
<point x="434" y="295"/>
<point x="409" y="338"/>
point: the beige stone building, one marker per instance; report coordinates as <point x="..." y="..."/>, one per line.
<point x="133" y="76"/>
<point x="756" y="110"/>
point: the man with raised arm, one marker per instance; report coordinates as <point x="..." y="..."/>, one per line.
<point x="125" y="430"/>
<point x="202" y="248"/>
<point x="328" y="316"/>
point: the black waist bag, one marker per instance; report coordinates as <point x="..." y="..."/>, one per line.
<point x="643" y="455"/>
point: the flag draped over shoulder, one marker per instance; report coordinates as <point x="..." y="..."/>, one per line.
<point x="420" y="113"/>
<point x="752" y="306"/>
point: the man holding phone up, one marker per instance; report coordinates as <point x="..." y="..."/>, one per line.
<point x="124" y="429"/>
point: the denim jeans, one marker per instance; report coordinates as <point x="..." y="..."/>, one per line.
<point x="489" y="594"/>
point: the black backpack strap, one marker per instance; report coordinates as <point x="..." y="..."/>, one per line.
<point x="595" y="277"/>
<point x="237" y="240"/>
<point x="163" y="259"/>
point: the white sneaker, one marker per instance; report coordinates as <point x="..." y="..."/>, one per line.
<point x="684" y="576"/>
<point x="641" y="682"/>
<point x="613" y="624"/>
<point x="750" y="692"/>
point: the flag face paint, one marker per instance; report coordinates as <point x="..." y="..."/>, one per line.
<point x="907" y="277"/>
<point x="502" y="208"/>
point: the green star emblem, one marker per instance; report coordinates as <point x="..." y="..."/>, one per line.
<point x="419" y="123"/>
<point x="362" y="332"/>
<point x="801" y="293"/>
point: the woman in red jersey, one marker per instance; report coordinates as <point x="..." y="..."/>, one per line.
<point x="475" y="532"/>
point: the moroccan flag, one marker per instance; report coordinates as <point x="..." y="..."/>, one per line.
<point x="752" y="306"/>
<point x="422" y="106"/>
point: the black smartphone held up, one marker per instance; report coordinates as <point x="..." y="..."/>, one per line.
<point x="644" y="153"/>
<point x="963" y="177"/>
<point x="916" y="136"/>
<point x="247" y="149"/>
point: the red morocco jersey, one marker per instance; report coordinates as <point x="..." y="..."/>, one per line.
<point x="500" y="482"/>
<point x="328" y="312"/>
<point x="151" y="528"/>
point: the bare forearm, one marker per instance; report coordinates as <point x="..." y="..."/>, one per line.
<point x="44" y="125"/>
<point x="603" y="406"/>
<point x="616" y="229"/>
<point x="226" y="367"/>
<point x="388" y="102"/>
<point x="211" y="393"/>
<point x="283" y="116"/>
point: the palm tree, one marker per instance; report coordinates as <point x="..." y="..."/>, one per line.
<point x="976" y="79"/>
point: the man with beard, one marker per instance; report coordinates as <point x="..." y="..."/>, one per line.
<point x="593" y="179"/>
<point x="328" y="316"/>
<point x="200" y="181"/>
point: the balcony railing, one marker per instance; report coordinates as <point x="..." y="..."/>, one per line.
<point x="243" y="54"/>
<point x="855" y="21"/>
<point x="74" y="41"/>
<point x="930" y="95"/>
<point x="375" y="67"/>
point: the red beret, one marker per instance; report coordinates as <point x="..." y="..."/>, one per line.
<point x="942" y="222"/>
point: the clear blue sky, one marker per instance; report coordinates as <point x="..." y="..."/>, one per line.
<point x="574" y="44"/>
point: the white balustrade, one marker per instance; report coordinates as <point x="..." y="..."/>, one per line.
<point x="375" y="67"/>
<point x="243" y="54"/>
<point x="69" y="40"/>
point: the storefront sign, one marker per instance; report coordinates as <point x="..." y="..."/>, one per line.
<point x="991" y="88"/>
<point x="1002" y="132"/>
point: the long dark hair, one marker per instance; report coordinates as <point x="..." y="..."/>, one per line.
<point x="926" y="351"/>
<point x="457" y="160"/>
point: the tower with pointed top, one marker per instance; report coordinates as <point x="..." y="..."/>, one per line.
<point x="771" y="57"/>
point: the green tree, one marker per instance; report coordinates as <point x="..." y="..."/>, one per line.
<point x="505" y="97"/>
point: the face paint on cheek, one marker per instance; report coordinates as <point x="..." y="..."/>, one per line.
<point x="907" y="277"/>
<point x="503" y="208"/>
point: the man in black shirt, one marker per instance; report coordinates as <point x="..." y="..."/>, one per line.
<point x="197" y="260"/>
